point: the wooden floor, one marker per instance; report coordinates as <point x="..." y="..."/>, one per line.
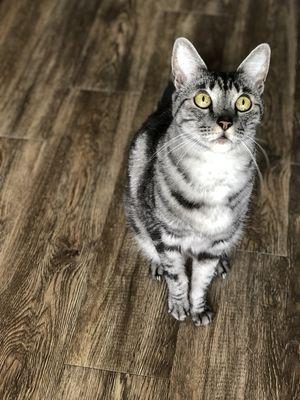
<point x="79" y="317"/>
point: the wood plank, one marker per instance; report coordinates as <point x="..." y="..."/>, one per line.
<point x="50" y="249"/>
<point x="18" y="169"/>
<point x="208" y="7"/>
<point x="241" y="355"/>
<point x="296" y="113"/>
<point x="123" y="303"/>
<point x="291" y="360"/>
<point x="90" y="384"/>
<point x="194" y="27"/>
<point x="275" y="23"/>
<point x="117" y="50"/>
<point x="39" y="52"/>
<point x="267" y="227"/>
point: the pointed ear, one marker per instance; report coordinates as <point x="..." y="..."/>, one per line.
<point x="256" y="65"/>
<point x="186" y="62"/>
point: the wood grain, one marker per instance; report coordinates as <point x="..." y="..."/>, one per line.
<point x="39" y="57"/>
<point x="79" y="317"/>
<point x="267" y="223"/>
<point x="240" y="355"/>
<point x="275" y="23"/>
<point x="292" y="360"/>
<point x="49" y="252"/>
<point x="123" y="308"/>
<point x="208" y="7"/>
<point x="120" y="61"/>
<point x="194" y="27"/>
<point x="91" y="384"/>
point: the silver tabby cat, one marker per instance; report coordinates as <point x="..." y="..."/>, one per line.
<point x="190" y="174"/>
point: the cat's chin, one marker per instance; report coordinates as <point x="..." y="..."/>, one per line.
<point x="221" y="145"/>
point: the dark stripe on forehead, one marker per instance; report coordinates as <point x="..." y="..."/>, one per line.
<point x="246" y="89"/>
<point x="220" y="82"/>
<point x="212" y="84"/>
<point x="201" y="86"/>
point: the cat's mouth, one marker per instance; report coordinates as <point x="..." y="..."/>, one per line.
<point x="223" y="138"/>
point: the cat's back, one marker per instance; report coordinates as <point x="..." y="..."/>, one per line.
<point x="143" y="147"/>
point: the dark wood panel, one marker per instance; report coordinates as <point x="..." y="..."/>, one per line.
<point x="194" y="27"/>
<point x="296" y="113"/>
<point x="18" y="169"/>
<point x="90" y="384"/>
<point x="291" y="359"/>
<point x="267" y="226"/>
<point x="274" y="23"/>
<point x="40" y="48"/>
<point x="123" y="325"/>
<point x="239" y="356"/>
<point x="49" y="252"/>
<point x="208" y="7"/>
<point x="117" y="50"/>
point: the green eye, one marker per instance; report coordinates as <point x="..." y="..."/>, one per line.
<point x="202" y="100"/>
<point x="243" y="103"/>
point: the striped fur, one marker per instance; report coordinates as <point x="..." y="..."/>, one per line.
<point x="187" y="191"/>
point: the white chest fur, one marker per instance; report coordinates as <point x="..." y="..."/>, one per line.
<point x="218" y="176"/>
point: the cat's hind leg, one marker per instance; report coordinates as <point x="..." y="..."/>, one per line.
<point x="223" y="266"/>
<point x="156" y="270"/>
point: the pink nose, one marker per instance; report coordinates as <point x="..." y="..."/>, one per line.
<point x="224" y="122"/>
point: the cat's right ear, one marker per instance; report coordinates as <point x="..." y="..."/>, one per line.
<point x="186" y="62"/>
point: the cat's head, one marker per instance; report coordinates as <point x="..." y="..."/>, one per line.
<point x="218" y="110"/>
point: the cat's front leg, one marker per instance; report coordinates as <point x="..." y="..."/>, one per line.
<point x="204" y="266"/>
<point x="173" y="263"/>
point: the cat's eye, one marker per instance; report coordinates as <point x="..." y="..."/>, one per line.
<point x="243" y="103"/>
<point x="202" y="100"/>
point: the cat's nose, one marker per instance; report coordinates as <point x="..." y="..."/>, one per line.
<point x="224" y="122"/>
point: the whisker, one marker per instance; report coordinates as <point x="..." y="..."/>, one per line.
<point x="262" y="150"/>
<point x="255" y="163"/>
<point x="166" y="144"/>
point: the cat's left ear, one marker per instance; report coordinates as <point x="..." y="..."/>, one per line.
<point x="256" y="65"/>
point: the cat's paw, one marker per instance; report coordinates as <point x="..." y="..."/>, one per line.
<point x="179" y="309"/>
<point x="203" y="317"/>
<point x="156" y="271"/>
<point x="223" y="266"/>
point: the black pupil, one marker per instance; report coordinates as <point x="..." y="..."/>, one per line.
<point x="243" y="102"/>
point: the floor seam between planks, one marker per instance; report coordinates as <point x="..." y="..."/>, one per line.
<point x="263" y="253"/>
<point x="194" y="12"/>
<point x="116" y="371"/>
<point x="79" y="88"/>
<point x="28" y="139"/>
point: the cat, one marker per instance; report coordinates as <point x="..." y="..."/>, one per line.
<point x="190" y="174"/>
